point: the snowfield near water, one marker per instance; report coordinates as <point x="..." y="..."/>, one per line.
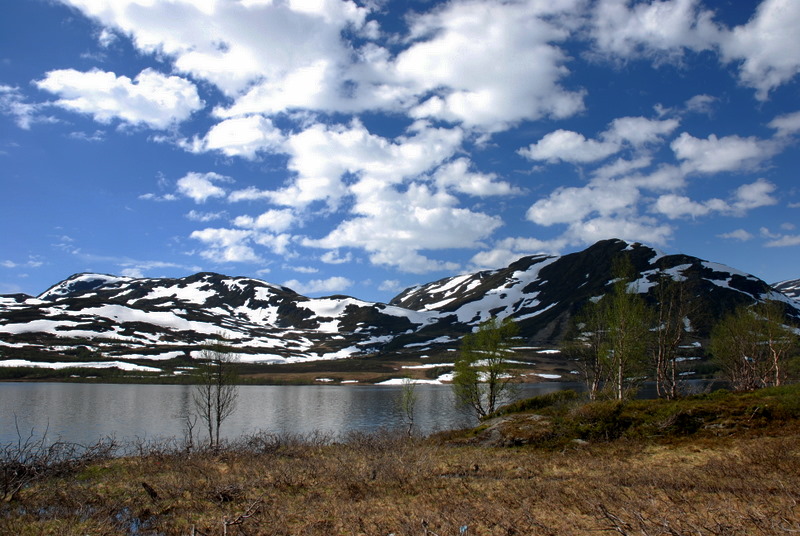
<point x="130" y="367"/>
<point x="444" y="378"/>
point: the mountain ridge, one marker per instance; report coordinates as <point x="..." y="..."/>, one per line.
<point x="160" y="319"/>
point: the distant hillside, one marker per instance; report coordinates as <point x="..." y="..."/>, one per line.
<point x="790" y="288"/>
<point x="136" y="322"/>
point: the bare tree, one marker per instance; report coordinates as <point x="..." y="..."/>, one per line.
<point x="482" y="377"/>
<point x="216" y="390"/>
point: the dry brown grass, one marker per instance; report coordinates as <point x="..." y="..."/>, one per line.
<point x="386" y="484"/>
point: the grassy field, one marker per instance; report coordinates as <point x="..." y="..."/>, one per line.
<point x="721" y="464"/>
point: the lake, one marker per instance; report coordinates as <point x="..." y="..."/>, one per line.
<point x="85" y="413"/>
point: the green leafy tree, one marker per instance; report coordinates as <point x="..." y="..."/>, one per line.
<point x="628" y="332"/>
<point x="673" y="309"/>
<point x="611" y="337"/>
<point x="216" y="390"/>
<point x="482" y="376"/>
<point x="751" y="346"/>
<point x="408" y="403"/>
<point x="587" y="344"/>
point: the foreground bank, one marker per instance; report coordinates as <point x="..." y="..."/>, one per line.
<point x="713" y="464"/>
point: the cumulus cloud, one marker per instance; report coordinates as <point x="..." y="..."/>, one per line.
<point x="315" y="286"/>
<point x="569" y="146"/>
<point x="274" y="220"/>
<point x="746" y="197"/>
<point x="656" y="28"/>
<point x="509" y="249"/>
<point x="238" y="45"/>
<point x="739" y="234"/>
<point x="490" y="64"/>
<point x="766" y="47"/>
<point x="200" y="186"/>
<point x="241" y="136"/>
<point x="716" y="155"/>
<point x="227" y="245"/>
<point x="322" y="155"/>
<point x="395" y="226"/>
<point x="456" y="175"/>
<point x="641" y="229"/>
<point x="754" y="195"/>
<point x="786" y="124"/>
<point x="678" y="206"/>
<point x="569" y="205"/>
<point x="152" y="99"/>
<point x="784" y="241"/>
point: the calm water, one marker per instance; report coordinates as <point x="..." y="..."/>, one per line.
<point x="84" y="413"/>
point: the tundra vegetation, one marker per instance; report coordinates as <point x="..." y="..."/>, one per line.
<point x="712" y="464"/>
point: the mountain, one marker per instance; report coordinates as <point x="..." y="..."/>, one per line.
<point x="790" y="288"/>
<point x="131" y="322"/>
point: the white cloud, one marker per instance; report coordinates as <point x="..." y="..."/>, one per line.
<point x="333" y="257"/>
<point x="640" y="229"/>
<point x="241" y="136"/>
<point x="390" y="285"/>
<point x="744" y="198"/>
<point x="701" y="104"/>
<point x="739" y="234"/>
<point x="764" y="49"/>
<point x="639" y="131"/>
<point x="33" y="262"/>
<point x="332" y="284"/>
<point x="568" y="146"/>
<point x="278" y="243"/>
<point x="234" y="44"/>
<point x="274" y="220"/>
<point x="784" y="241"/>
<point x="656" y="28"/>
<point x="12" y="103"/>
<point x="767" y="46"/>
<point x="151" y="99"/>
<point x="155" y="197"/>
<point x="322" y="155"/>
<point x="456" y="175"/>
<point x="204" y="217"/>
<point x="754" y="195"/>
<point x="715" y="155"/>
<point x="302" y="269"/>
<point x="569" y="205"/>
<point x="678" y="206"/>
<point x="227" y="245"/>
<point x="510" y="249"/>
<point x="394" y="226"/>
<point x="490" y="64"/>
<point x="200" y="186"/>
<point x="786" y="124"/>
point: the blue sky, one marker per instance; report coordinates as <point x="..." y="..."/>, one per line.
<point x="361" y="147"/>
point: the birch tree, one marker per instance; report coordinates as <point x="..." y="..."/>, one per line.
<point x="482" y="377"/>
<point x="216" y="390"/>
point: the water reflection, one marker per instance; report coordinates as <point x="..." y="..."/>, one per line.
<point x="84" y="413"/>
